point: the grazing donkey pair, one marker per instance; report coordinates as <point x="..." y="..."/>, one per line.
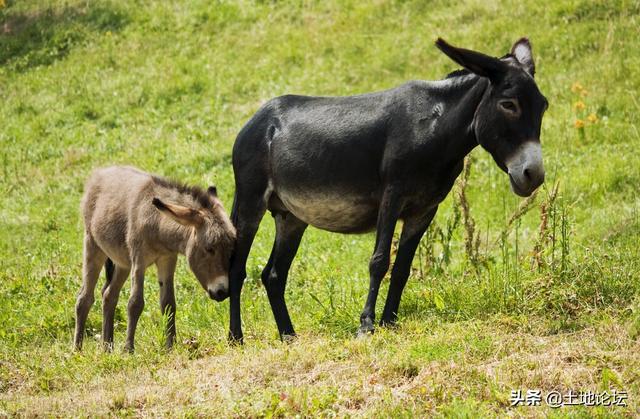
<point x="353" y="164"/>
<point x="342" y="164"/>
<point x="132" y="220"/>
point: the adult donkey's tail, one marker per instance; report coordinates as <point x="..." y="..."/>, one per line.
<point x="109" y="267"/>
<point x="234" y="209"/>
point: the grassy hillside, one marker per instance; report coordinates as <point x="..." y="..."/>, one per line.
<point x="542" y="294"/>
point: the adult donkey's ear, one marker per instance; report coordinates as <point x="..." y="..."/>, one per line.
<point x="521" y="50"/>
<point x="476" y="62"/>
<point x="181" y="214"/>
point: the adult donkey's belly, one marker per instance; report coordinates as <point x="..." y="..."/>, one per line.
<point x="328" y="174"/>
<point x="331" y="211"/>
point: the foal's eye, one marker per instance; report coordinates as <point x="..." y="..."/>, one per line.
<point x="510" y="106"/>
<point x="211" y="250"/>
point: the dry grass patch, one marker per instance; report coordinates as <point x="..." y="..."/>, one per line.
<point x="359" y="377"/>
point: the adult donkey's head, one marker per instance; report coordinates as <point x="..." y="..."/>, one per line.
<point x="507" y="120"/>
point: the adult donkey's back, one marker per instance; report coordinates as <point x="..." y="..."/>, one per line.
<point x="352" y="164"/>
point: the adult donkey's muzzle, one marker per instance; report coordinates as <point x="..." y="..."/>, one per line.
<point x="525" y="168"/>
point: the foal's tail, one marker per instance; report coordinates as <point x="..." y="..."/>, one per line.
<point x="109" y="267"/>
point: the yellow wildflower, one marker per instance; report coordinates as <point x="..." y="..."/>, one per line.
<point x="593" y="118"/>
<point x="579" y="123"/>
<point x="576" y="87"/>
<point x="2" y="4"/>
<point x="579" y="105"/>
<point x="584" y="92"/>
<point x="108" y="32"/>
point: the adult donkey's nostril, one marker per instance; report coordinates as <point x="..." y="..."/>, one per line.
<point x="527" y="174"/>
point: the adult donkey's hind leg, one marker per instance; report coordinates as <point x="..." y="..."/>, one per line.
<point x="412" y="232"/>
<point x="93" y="259"/>
<point x="289" y="231"/>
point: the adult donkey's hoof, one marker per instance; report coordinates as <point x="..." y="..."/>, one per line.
<point x="235" y="339"/>
<point x="289" y="338"/>
<point x="389" y="322"/>
<point x="364" y="333"/>
<point x="366" y="328"/>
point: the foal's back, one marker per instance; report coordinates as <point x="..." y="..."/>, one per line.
<point x="115" y="198"/>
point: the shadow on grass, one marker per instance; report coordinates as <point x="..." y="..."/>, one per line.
<point x="32" y="39"/>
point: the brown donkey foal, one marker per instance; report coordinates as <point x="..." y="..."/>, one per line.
<point x="134" y="219"/>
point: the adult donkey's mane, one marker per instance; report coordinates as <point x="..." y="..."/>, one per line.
<point x="458" y="73"/>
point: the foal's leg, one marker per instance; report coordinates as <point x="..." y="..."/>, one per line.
<point x="412" y="232"/>
<point x="379" y="263"/>
<point x="289" y="231"/>
<point x="109" y="302"/>
<point x="136" y="302"/>
<point x="93" y="259"/>
<point x="248" y="211"/>
<point x="166" y="269"/>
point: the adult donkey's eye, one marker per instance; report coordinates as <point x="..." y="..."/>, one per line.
<point x="211" y="250"/>
<point x="509" y="106"/>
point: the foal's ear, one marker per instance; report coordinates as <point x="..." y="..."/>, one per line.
<point x="476" y="62"/>
<point x="178" y="213"/>
<point x="521" y="50"/>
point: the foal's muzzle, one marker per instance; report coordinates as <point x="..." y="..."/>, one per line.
<point x="525" y="168"/>
<point x="218" y="292"/>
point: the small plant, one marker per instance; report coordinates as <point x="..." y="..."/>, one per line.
<point x="471" y="234"/>
<point x="523" y="208"/>
<point x="583" y="116"/>
<point x="546" y="207"/>
<point x="553" y="234"/>
<point x="444" y="236"/>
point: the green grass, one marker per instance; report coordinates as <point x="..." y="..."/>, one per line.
<point x="166" y="86"/>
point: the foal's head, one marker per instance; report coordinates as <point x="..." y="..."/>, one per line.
<point x="210" y="241"/>
<point x="508" y="119"/>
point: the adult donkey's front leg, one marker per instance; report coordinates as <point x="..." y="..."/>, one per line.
<point x="248" y="210"/>
<point x="379" y="263"/>
<point x="289" y="231"/>
<point x="412" y="232"/>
